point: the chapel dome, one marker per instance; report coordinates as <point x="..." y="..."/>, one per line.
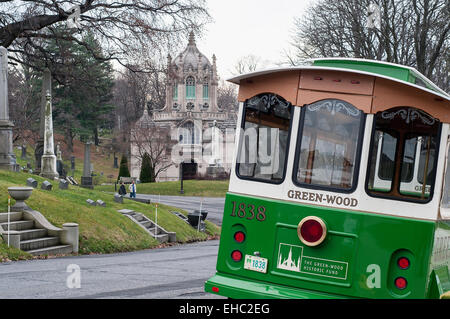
<point x="191" y="57"/>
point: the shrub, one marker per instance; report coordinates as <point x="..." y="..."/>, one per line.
<point x="123" y="168"/>
<point x="147" y="170"/>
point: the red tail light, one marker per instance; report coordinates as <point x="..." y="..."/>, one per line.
<point x="400" y="283"/>
<point x="403" y="263"/>
<point x="239" y="236"/>
<point x="215" y="289"/>
<point x="236" y="255"/>
<point x="312" y="230"/>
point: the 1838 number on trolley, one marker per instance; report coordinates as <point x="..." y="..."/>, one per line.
<point x="248" y="211"/>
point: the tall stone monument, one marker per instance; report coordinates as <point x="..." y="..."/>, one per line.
<point x="46" y="87"/>
<point x="7" y="156"/>
<point x="86" y="179"/>
<point x="48" y="159"/>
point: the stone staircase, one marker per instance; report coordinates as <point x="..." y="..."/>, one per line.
<point x="156" y="231"/>
<point x="33" y="240"/>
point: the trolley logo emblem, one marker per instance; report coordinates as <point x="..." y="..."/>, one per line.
<point x="290" y="257"/>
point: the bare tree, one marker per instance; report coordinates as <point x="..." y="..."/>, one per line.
<point x="147" y="137"/>
<point x="123" y="27"/>
<point x="227" y="98"/>
<point x="133" y="92"/>
<point x="246" y="64"/>
<point x="24" y="103"/>
<point x="414" y="33"/>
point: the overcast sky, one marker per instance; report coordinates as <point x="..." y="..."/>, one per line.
<point x="242" y="27"/>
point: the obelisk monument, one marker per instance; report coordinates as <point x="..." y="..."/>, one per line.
<point x="46" y="87"/>
<point x="86" y="179"/>
<point x="7" y="156"/>
<point x="48" y="159"/>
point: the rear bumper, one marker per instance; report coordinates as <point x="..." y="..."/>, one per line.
<point x="243" y="288"/>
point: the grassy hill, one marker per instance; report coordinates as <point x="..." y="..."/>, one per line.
<point x="102" y="229"/>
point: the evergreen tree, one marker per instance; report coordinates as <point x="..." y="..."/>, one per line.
<point x="147" y="170"/>
<point x="123" y="168"/>
<point x="83" y="88"/>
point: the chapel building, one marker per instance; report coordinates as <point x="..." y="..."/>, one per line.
<point x="202" y="133"/>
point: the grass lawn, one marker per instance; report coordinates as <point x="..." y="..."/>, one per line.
<point x="201" y="188"/>
<point x="102" y="229"/>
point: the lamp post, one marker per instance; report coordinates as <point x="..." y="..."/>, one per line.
<point x="181" y="176"/>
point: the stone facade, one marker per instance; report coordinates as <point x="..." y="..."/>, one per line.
<point x="199" y="129"/>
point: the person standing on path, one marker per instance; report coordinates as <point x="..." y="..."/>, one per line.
<point x="122" y="190"/>
<point x="132" y="189"/>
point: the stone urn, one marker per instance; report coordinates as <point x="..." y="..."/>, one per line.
<point x="20" y="195"/>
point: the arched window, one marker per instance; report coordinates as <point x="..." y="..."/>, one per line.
<point x="188" y="134"/>
<point x="190" y="87"/>
<point x="205" y="88"/>
<point x="403" y="155"/>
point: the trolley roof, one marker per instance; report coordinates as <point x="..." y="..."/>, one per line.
<point x="392" y="77"/>
<point x="402" y="73"/>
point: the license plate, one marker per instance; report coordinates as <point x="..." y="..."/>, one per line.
<point x="255" y="263"/>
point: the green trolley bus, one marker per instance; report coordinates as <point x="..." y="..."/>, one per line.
<point x="340" y="186"/>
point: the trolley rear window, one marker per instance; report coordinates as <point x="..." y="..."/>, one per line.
<point x="264" y="142"/>
<point x="330" y="137"/>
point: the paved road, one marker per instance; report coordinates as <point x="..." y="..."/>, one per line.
<point x="214" y="205"/>
<point x="177" y="272"/>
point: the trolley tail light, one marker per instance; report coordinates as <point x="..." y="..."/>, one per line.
<point x="403" y="263"/>
<point x="236" y="255"/>
<point x="239" y="237"/>
<point x="312" y="231"/>
<point x="400" y="283"/>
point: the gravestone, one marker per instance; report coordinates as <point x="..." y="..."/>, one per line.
<point x="72" y="163"/>
<point x="86" y="179"/>
<point x="59" y="162"/>
<point x="101" y="203"/>
<point x="46" y="185"/>
<point x="58" y="152"/>
<point x="32" y="182"/>
<point x="48" y="159"/>
<point x="118" y="198"/>
<point x="71" y="180"/>
<point x="91" y="202"/>
<point x="7" y="156"/>
<point x="46" y="87"/>
<point x="63" y="184"/>
<point x="60" y="169"/>
<point x="24" y="152"/>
